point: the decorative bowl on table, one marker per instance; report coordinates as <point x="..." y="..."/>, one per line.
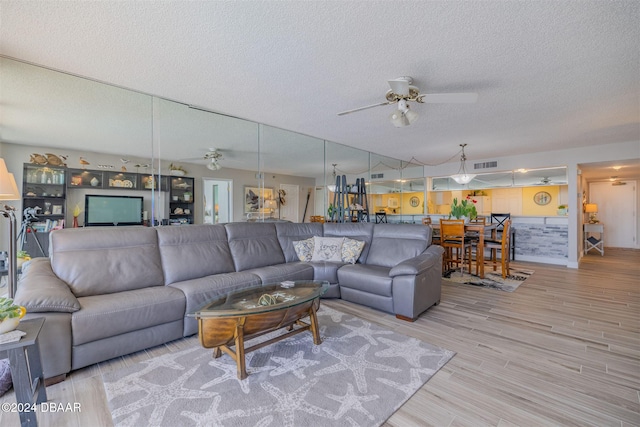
<point x="10" y="315"/>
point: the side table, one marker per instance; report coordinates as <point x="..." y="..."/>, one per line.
<point x="26" y="369"/>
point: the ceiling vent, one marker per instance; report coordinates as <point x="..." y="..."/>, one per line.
<point x="486" y="165"/>
<point x="377" y="175"/>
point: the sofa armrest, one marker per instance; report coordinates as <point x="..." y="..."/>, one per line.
<point x="418" y="264"/>
<point x="40" y="290"/>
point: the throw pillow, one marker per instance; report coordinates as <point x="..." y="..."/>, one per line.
<point x="304" y="249"/>
<point x="327" y="249"/>
<point x="351" y="250"/>
<point x="5" y="376"/>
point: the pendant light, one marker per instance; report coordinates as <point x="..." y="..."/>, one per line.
<point x="462" y="177"/>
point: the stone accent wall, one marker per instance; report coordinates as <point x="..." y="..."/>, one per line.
<point x="541" y="240"/>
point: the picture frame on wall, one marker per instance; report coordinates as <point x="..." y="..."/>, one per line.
<point x="254" y="198"/>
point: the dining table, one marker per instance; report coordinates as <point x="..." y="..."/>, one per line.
<point x="482" y="230"/>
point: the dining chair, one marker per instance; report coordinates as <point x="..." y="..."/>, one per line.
<point x="457" y="250"/>
<point x="502" y="245"/>
<point x="474" y="235"/>
<point x="500" y="218"/>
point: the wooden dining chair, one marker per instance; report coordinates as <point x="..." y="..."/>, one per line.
<point x="502" y="245"/>
<point x="457" y="250"/>
<point x="435" y="233"/>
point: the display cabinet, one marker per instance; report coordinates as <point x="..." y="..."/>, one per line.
<point x="43" y="205"/>
<point x="181" y="200"/>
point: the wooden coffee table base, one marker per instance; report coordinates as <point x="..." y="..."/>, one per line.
<point x="220" y="333"/>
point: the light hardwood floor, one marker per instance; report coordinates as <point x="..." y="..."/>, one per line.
<point x="564" y="349"/>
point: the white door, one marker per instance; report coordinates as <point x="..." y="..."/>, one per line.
<point x="617" y="211"/>
<point x="290" y="209"/>
<point x="217" y="201"/>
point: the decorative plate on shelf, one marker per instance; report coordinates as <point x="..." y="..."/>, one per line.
<point x="127" y="184"/>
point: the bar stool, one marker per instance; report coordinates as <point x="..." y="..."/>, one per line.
<point x="457" y="250"/>
<point x="501" y="245"/>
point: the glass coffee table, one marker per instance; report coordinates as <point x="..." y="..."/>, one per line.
<point x="248" y="313"/>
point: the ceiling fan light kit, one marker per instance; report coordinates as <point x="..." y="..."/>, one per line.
<point x="463" y="177"/>
<point x="402" y="91"/>
<point x="213" y="156"/>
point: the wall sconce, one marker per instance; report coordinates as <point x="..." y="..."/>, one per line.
<point x="9" y="191"/>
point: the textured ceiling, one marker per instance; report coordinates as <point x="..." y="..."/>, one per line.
<point x="550" y="74"/>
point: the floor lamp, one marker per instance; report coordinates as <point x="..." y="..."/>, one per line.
<point x="9" y="191"/>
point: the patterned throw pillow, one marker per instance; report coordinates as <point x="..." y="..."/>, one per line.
<point x="327" y="249"/>
<point x="351" y="250"/>
<point x="304" y="249"/>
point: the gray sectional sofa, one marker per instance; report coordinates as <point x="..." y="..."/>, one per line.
<point x="107" y="292"/>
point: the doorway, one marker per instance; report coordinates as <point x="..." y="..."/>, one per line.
<point x="289" y="203"/>
<point x="217" y="199"/>
<point x="617" y="211"/>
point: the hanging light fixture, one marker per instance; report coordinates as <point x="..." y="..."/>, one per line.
<point x="332" y="187"/>
<point x="462" y="177"/>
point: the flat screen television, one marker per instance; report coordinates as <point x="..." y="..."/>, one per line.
<point x="112" y="210"/>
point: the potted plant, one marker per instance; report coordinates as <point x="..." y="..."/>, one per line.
<point x="10" y="315"/>
<point x="562" y="209"/>
<point x="22" y="257"/>
<point x="466" y="209"/>
<point x="177" y="170"/>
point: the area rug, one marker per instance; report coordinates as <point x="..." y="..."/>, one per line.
<point x="492" y="279"/>
<point x="359" y="376"/>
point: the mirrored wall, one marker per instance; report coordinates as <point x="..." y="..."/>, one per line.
<point x="139" y="145"/>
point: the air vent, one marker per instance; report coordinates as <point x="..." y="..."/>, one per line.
<point x="485" y="165"/>
<point x="377" y="175"/>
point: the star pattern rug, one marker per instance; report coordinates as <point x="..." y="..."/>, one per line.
<point x="492" y="279"/>
<point x="358" y="376"/>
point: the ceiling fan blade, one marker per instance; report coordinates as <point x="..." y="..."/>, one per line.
<point x="364" y="108"/>
<point x="448" y="98"/>
<point x="400" y="86"/>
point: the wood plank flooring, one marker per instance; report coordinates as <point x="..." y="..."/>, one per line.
<point x="564" y="349"/>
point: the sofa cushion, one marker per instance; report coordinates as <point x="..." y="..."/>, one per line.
<point x="367" y="278"/>
<point x="394" y="243"/>
<point x="328" y="271"/>
<point x="362" y="231"/>
<point x="304" y="249"/>
<point x="194" y="251"/>
<point x="199" y="292"/>
<point x="327" y="249"/>
<point x="104" y="260"/>
<point x="278" y="273"/>
<point x="104" y="316"/>
<point x="293" y="232"/>
<point x="254" y="245"/>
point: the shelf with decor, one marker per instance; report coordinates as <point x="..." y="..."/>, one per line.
<point x="150" y="182"/>
<point x="121" y="180"/>
<point x="82" y="178"/>
<point x="181" y="200"/>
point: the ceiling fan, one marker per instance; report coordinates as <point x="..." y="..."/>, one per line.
<point x="213" y="156"/>
<point x="402" y="91"/>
